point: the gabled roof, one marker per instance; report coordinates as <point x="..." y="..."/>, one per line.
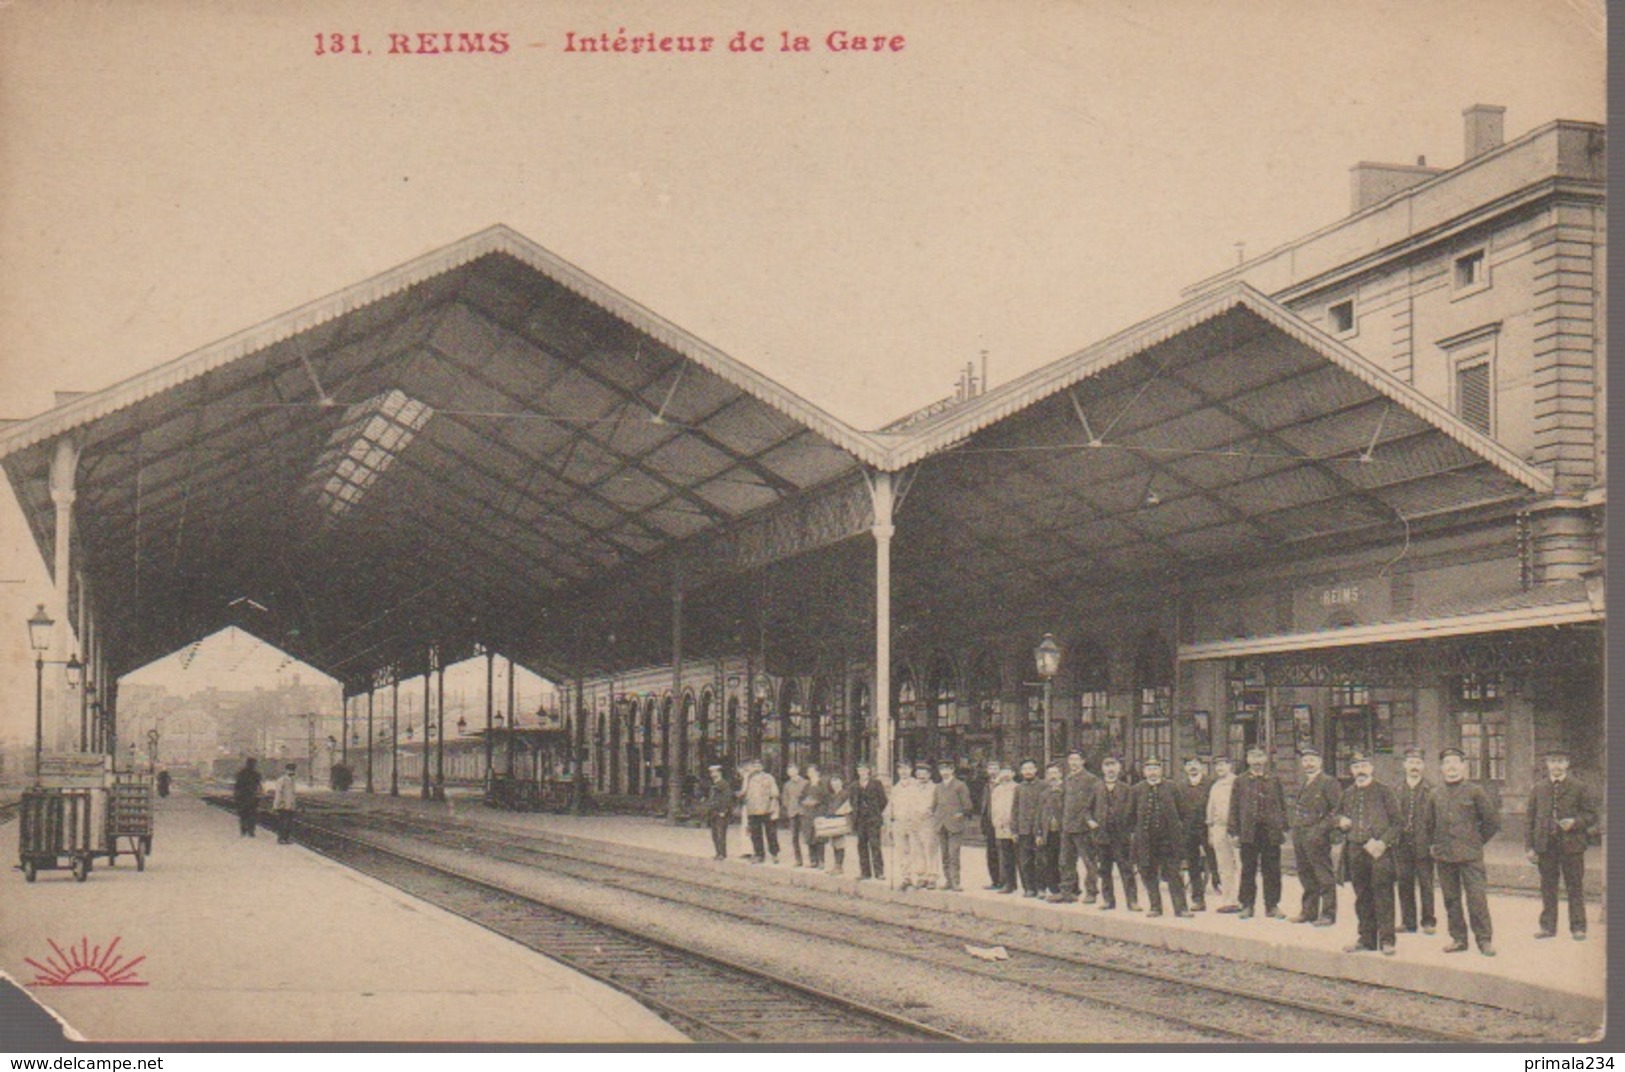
<point x="487" y="445"/>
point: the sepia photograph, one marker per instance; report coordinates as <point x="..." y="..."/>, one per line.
<point x="870" y="526"/>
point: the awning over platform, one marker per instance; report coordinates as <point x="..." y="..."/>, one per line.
<point x="487" y="447"/>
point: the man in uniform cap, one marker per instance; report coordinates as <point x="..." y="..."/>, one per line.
<point x="1413" y="867"/>
<point x="1258" y="823"/>
<point x="1108" y="818"/>
<point x="1157" y="816"/>
<point x="1561" y="811"/>
<point x="1314" y="814"/>
<point x="719" y="807"/>
<point x="1370" y="819"/>
<point x="1460" y="818"/>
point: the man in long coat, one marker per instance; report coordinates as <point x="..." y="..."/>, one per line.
<point x="719" y="809"/>
<point x="1460" y="819"/>
<point x="1562" y="810"/>
<point x="1158" y="818"/>
<point x="1193" y="794"/>
<point x="1108" y="819"/>
<point x="1029" y="798"/>
<point x="245" y="795"/>
<point x="1258" y="823"/>
<point x="1370" y="819"/>
<point x="1413" y="867"/>
<point x="989" y="835"/>
<point x="1077" y="794"/>
<point x="869" y="818"/>
<point x="1314" y="817"/>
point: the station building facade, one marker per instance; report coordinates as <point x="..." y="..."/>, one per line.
<point x="1481" y="287"/>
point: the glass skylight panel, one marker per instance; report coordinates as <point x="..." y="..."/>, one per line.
<point x="367" y="442"/>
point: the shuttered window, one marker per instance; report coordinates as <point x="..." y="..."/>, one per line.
<point x="1473" y="395"/>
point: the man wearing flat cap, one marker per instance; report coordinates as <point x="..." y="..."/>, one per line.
<point x="1562" y="809"/>
<point x="719" y="808"/>
<point x="1459" y="819"/>
<point x="1369" y="816"/>
<point x="1157" y="816"/>
<point x="1413" y="867"/>
<point x="1314" y="815"/>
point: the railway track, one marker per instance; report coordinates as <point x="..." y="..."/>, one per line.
<point x="1224" y="1011"/>
<point x="708" y="998"/>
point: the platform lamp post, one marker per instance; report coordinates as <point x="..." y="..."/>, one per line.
<point x="39" y="639"/>
<point x="1048" y="657"/>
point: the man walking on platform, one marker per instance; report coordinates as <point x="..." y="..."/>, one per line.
<point x="1370" y="818"/>
<point x="719" y="809"/>
<point x="1193" y="794"/>
<point x="1460" y="819"/>
<point x="1258" y="823"/>
<point x="1562" y="810"/>
<point x="1077" y="796"/>
<point x="1314" y="814"/>
<point x="245" y="794"/>
<point x="284" y="803"/>
<point x="1226" y="855"/>
<point x="951" y="808"/>
<point x="1158" y="821"/>
<point x="1109" y="818"/>
<point x="1413" y="867"/>
<point x="760" y="794"/>
<point x="868" y="819"/>
<point x="800" y="822"/>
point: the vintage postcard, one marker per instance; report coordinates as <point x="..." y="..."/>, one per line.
<point x="861" y="524"/>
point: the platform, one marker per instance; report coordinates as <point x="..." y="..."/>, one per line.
<point x="1557" y="976"/>
<point x="245" y="940"/>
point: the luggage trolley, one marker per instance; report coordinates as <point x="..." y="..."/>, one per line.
<point x="129" y="816"/>
<point x="57" y="829"/>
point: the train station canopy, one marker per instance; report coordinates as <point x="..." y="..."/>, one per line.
<point x="487" y="446"/>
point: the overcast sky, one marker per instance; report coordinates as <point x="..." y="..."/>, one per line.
<point x="1023" y="177"/>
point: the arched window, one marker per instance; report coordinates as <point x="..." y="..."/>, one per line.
<point x="730" y="740"/>
<point x="824" y="730"/>
<point x="772" y="726"/>
<point x="662" y="756"/>
<point x="598" y="754"/>
<point x="1093" y="730"/>
<point x="694" y="760"/>
<point x="1153" y="697"/>
<point x="798" y="743"/>
<point x="861" y="722"/>
<point x="946" y="724"/>
<point x="907" y="716"/>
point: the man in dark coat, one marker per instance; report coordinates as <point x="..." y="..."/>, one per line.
<point x="1562" y="810"/>
<point x="1029" y="797"/>
<point x="1370" y="819"/>
<point x="719" y="809"/>
<point x="1314" y="815"/>
<point x="1413" y="867"/>
<point x="245" y="794"/>
<point x="1158" y="818"/>
<point x="989" y="837"/>
<point x="950" y="809"/>
<point x="1049" y="832"/>
<point x="1460" y="819"/>
<point x="1258" y="823"/>
<point x="1193" y="792"/>
<point x="1077" y="794"/>
<point x="868" y="819"/>
<point x="1108" y="819"/>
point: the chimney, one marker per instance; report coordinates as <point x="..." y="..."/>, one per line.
<point x="1484" y="129"/>
<point x="1370" y="183"/>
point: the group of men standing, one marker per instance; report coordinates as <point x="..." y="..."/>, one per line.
<point x="1224" y="833"/>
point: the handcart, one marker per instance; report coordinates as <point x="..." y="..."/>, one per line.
<point x="129" y="816"/>
<point x="58" y="829"/>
